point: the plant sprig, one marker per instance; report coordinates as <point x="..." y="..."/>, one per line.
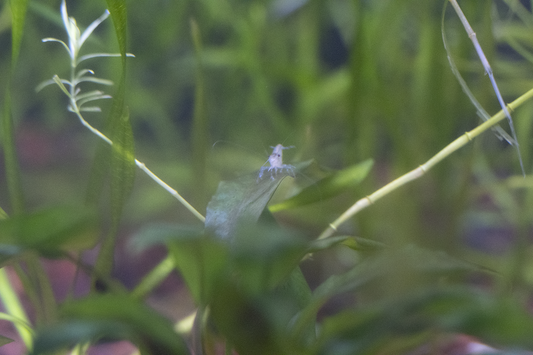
<point x="77" y="99"/>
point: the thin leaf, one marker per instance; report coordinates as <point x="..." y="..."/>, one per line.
<point x="12" y="169"/>
<point x="98" y="55"/>
<point x="18" y="13"/>
<point x="200" y="123"/>
<point x="122" y="156"/>
<point x="356" y="243"/>
<point x="117" y="9"/>
<point x="95" y="80"/>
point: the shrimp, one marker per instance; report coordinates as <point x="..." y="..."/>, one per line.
<point x="276" y="163"/>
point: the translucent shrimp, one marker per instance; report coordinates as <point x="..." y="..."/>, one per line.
<point x="276" y="163"/>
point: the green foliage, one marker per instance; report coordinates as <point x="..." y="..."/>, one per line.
<point x="113" y="316"/>
<point x="364" y="91"/>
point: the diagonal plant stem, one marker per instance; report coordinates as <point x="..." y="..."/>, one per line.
<point x="488" y="70"/>
<point x="422" y="169"/>
<point x="141" y="166"/>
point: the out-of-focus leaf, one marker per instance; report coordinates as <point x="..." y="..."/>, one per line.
<point x="327" y="187"/>
<point x="161" y="233"/>
<point x="122" y="177"/>
<point x="117" y="9"/>
<point x="69" y="333"/>
<point x="122" y="152"/>
<point x="397" y="269"/>
<point x="18" y="12"/>
<point x="48" y="231"/>
<point x="203" y="263"/>
<point x="356" y="243"/>
<point x="454" y="309"/>
<point x="114" y="316"/>
<point x="4" y="340"/>
<point x="265" y="254"/>
<point x="12" y="170"/>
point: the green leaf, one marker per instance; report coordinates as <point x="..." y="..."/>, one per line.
<point x="264" y="255"/>
<point x="122" y="158"/>
<point x="48" y="231"/>
<point x="356" y="243"/>
<point x="18" y="13"/>
<point x="117" y="9"/>
<point x="4" y="340"/>
<point x="261" y="323"/>
<point x="200" y="129"/>
<point x="238" y="201"/>
<point x="11" y="162"/>
<point x="18" y="17"/>
<point x="400" y="270"/>
<point x="492" y="319"/>
<point x="161" y="234"/>
<point x="111" y="316"/>
<point x="203" y="262"/>
<point x="122" y="177"/>
<point x="327" y="187"/>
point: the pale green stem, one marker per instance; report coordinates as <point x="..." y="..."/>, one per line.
<point x="156" y="275"/>
<point x="422" y="169"/>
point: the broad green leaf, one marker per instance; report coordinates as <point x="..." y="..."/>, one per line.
<point x="264" y="255"/>
<point x="327" y="187"/>
<point x="114" y="316"/>
<point x="240" y="201"/>
<point x="48" y="231"/>
<point x="66" y="334"/>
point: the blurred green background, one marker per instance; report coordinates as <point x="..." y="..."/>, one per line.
<point x="215" y="83"/>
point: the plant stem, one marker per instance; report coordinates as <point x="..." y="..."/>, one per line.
<point x="422" y="169"/>
<point x="143" y="167"/>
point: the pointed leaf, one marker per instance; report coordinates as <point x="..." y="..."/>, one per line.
<point x="327" y="187"/>
<point x="117" y="9"/>
<point x="4" y="340"/>
<point x="242" y="199"/>
<point x="48" y="231"/>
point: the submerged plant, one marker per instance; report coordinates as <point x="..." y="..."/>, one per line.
<point x="77" y="99"/>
